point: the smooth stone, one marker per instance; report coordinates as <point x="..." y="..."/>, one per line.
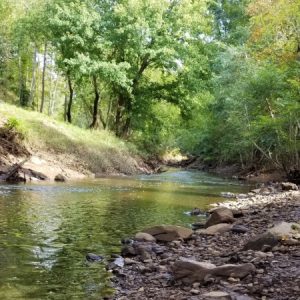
<point x="119" y="262"/>
<point x="215" y="229"/>
<point x="261" y="242"/>
<point x="60" y="178"/>
<point x="239" y="229"/>
<point x="168" y="233"/>
<point x="285" y="230"/>
<point x="190" y="271"/>
<point x="143" y="236"/>
<point x="217" y="295"/>
<point x="220" y="215"/>
<point x="91" y="257"/>
<point x="289" y="186"/>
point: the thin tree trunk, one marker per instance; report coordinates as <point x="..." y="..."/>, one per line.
<point x="65" y="107"/>
<point x="126" y="127"/>
<point x="20" y="79"/>
<point x="32" y="88"/>
<point x="69" y="106"/>
<point x="108" y="113"/>
<point x="95" y="122"/>
<point x="43" y="78"/>
<point x="120" y="104"/>
<point x="52" y="98"/>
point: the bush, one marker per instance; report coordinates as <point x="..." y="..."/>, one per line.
<point x="16" y="126"/>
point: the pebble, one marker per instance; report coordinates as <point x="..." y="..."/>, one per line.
<point x="194" y="292"/>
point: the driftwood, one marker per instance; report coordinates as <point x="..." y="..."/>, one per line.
<point x="12" y="170"/>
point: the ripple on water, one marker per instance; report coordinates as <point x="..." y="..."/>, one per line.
<point x="47" y="229"/>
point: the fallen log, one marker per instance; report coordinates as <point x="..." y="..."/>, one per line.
<point x="13" y="170"/>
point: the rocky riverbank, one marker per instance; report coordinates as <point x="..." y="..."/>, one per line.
<point x="247" y="249"/>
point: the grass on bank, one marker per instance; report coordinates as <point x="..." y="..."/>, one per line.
<point x="99" y="150"/>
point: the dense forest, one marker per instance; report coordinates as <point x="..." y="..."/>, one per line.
<point x="217" y="79"/>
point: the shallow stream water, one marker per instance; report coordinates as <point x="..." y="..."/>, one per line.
<point x="47" y="229"/>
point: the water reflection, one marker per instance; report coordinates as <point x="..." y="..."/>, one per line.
<point x="46" y="230"/>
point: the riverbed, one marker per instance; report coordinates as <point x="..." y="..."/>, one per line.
<point x="47" y="229"/>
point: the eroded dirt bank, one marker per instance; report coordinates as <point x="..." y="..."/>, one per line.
<point x="266" y="263"/>
<point x="21" y="161"/>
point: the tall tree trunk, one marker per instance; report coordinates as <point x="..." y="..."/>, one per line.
<point x="108" y="113"/>
<point x="69" y="106"/>
<point x="95" y="122"/>
<point x="20" y="79"/>
<point x="43" y="78"/>
<point x="118" y="119"/>
<point x="33" y="79"/>
<point x="126" y="127"/>
<point x="52" y="97"/>
<point x="65" y="107"/>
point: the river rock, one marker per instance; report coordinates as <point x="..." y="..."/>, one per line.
<point x="220" y="215"/>
<point x="60" y="178"/>
<point x="143" y="249"/>
<point x="119" y="262"/>
<point x="289" y="186"/>
<point x="217" y="295"/>
<point x="168" y="233"/>
<point x="285" y="231"/>
<point x="261" y="242"/>
<point x="144" y="237"/>
<point x="91" y="257"/>
<point x="235" y="271"/>
<point x="212" y="230"/>
<point x="195" y="212"/>
<point x="239" y="229"/>
<point x="190" y="271"/>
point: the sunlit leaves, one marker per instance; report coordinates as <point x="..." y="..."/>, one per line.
<point x="275" y="28"/>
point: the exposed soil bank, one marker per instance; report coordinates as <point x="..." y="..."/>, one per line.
<point x="276" y="272"/>
<point x="51" y="147"/>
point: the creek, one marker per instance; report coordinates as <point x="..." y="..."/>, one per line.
<point x="46" y="229"/>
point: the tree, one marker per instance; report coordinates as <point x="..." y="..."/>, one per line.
<point x="275" y="29"/>
<point x="152" y="37"/>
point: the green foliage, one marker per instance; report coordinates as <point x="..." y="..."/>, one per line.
<point x="15" y="125"/>
<point x="219" y="79"/>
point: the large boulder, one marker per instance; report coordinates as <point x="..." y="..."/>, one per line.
<point x="286" y="231"/>
<point x="282" y="232"/>
<point x="215" y="229"/>
<point x="168" y="233"/>
<point x="261" y="242"/>
<point x="190" y="271"/>
<point x="220" y="215"/>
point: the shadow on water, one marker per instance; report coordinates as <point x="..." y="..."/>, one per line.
<point x="46" y="230"/>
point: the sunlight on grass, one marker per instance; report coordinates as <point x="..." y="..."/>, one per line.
<point x="100" y="150"/>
